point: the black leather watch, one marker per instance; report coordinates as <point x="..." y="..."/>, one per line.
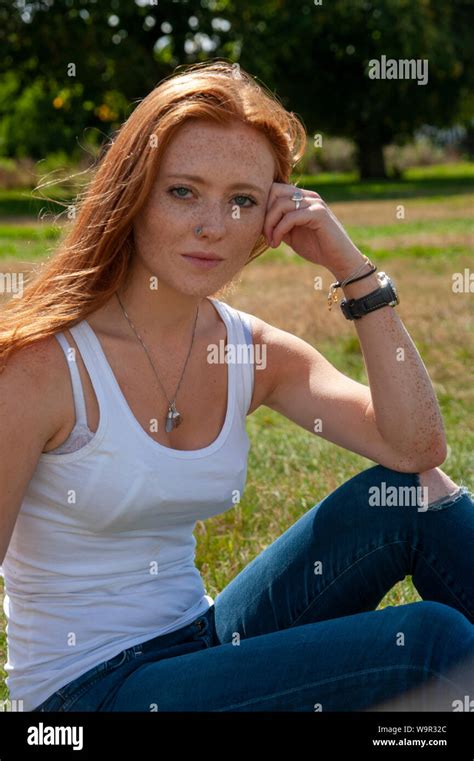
<point x="386" y="294"/>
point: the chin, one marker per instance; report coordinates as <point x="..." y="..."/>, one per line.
<point x="202" y="289"/>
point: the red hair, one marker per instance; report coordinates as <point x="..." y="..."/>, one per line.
<point x="92" y="260"/>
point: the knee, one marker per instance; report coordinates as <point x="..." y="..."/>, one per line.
<point x="438" y="628"/>
<point x="438" y="643"/>
<point x="436" y="485"/>
<point x="428" y="613"/>
<point x="385" y="486"/>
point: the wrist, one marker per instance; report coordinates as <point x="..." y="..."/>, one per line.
<point x="359" y="271"/>
<point x="351" y="263"/>
<point x="361" y="287"/>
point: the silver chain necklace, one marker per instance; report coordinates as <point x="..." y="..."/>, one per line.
<point x="173" y="417"/>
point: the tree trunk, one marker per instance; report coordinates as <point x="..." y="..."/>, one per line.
<point x="370" y="160"/>
<point x="468" y="142"/>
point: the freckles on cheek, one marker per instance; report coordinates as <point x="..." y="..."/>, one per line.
<point x="158" y="215"/>
<point x="251" y="226"/>
<point x="243" y="233"/>
<point x="159" y="205"/>
<point x="256" y="230"/>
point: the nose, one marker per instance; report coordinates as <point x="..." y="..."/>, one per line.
<point x="213" y="218"/>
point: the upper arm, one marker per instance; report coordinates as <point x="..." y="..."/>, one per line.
<point x="306" y="388"/>
<point x="28" y="418"/>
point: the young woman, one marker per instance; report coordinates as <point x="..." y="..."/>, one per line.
<point x="118" y="431"/>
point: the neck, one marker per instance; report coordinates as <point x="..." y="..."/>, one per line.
<point x="164" y="314"/>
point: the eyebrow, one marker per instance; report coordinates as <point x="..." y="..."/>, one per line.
<point x="196" y="178"/>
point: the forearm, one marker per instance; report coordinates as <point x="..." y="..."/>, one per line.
<point x="404" y="404"/>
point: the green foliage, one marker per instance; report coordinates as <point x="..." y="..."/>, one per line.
<point x="314" y="57"/>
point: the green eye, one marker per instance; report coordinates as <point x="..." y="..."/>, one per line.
<point x="179" y="187"/>
<point x="247" y="198"/>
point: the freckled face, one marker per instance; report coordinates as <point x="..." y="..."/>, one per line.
<point x="236" y="169"/>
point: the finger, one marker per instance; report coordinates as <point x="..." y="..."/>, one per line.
<point x="280" y="190"/>
<point x="280" y="208"/>
<point x="312" y="193"/>
<point x="273" y="216"/>
<point x="290" y="220"/>
<point x="277" y="189"/>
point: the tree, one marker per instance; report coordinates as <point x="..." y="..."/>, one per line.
<point x="317" y="58"/>
<point x="71" y="67"/>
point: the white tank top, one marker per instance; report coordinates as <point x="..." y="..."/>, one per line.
<point x="102" y="555"/>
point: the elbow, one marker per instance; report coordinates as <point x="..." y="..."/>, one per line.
<point x="432" y="458"/>
<point x="421" y="458"/>
<point x="440" y="451"/>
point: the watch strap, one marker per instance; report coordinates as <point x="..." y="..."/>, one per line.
<point x="354" y="309"/>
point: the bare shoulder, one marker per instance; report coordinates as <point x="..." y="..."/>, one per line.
<point x="34" y="362"/>
<point x="33" y="379"/>
<point x="277" y="349"/>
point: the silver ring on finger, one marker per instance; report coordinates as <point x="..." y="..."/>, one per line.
<point x="297" y="197"/>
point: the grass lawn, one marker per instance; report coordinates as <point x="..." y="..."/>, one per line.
<point x="289" y="469"/>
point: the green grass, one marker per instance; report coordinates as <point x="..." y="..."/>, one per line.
<point x="416" y="251"/>
<point x="436" y="182"/>
<point x="290" y="470"/>
<point x="31" y="203"/>
<point x="27" y="242"/>
<point x="439" y="226"/>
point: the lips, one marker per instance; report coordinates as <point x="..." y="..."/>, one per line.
<point x="203" y="255"/>
<point x="202" y="262"/>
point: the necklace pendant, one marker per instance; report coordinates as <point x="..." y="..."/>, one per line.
<point x="173" y="418"/>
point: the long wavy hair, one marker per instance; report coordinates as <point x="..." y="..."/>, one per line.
<point x="92" y="261"/>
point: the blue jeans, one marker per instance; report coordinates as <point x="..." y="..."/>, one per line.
<point x="297" y="629"/>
